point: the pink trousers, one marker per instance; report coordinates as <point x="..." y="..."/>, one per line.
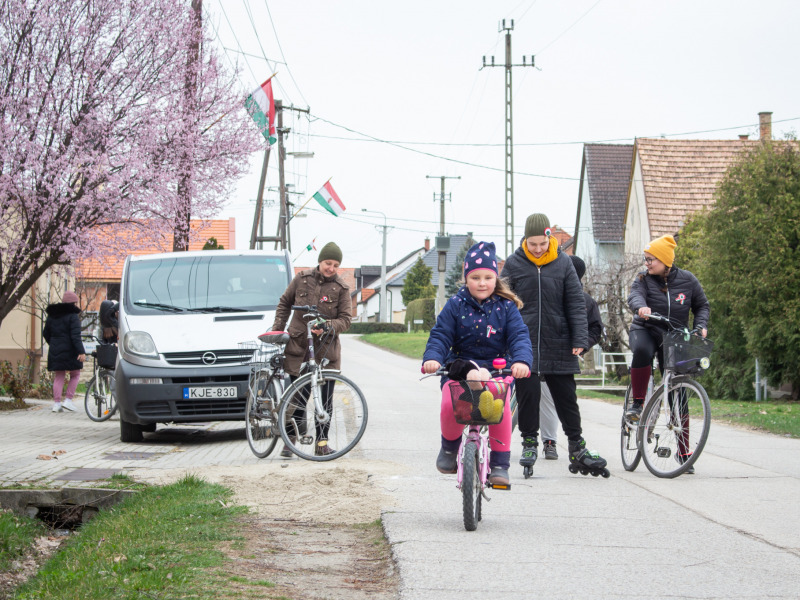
<point x="58" y="383"/>
<point x="499" y="435"/>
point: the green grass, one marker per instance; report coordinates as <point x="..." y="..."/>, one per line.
<point x="162" y="543"/>
<point x="407" y="344"/>
<point x="781" y="417"/>
<point x="16" y="536"/>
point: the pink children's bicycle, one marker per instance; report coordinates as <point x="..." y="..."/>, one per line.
<point x="477" y="404"/>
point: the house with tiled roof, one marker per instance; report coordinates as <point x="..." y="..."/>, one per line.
<point x="671" y="179"/>
<point x="602" y="197"/>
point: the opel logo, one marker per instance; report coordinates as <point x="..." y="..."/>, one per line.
<point x="209" y="358"/>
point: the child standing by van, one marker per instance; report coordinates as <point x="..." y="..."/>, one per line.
<point x="480" y="323"/>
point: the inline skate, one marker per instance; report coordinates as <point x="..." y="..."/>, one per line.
<point x="585" y="461"/>
<point x="529" y="455"/>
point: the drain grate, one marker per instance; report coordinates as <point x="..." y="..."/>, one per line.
<point x="130" y="455"/>
<point x="88" y="474"/>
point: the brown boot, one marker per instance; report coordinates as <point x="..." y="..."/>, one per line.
<point x="322" y="449"/>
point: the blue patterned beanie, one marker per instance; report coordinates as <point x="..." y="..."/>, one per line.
<point x="480" y="256"/>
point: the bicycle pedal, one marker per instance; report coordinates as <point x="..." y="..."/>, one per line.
<point x="498" y="486"/>
<point x="663" y="452"/>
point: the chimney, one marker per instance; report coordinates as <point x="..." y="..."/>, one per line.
<point x="765" y="126"/>
<point x="744" y="137"/>
<point x="427" y="244"/>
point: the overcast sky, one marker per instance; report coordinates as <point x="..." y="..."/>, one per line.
<point x="374" y="72"/>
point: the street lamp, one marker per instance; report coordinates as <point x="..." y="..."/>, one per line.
<point x="383" y="315"/>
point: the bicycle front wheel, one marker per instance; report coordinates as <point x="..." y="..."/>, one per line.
<point x="262" y="398"/>
<point x="674" y="427"/>
<point x="471" y="486"/>
<point x="514" y="409"/>
<point x="628" y="443"/>
<point x="328" y="435"/>
<point x="100" y="402"/>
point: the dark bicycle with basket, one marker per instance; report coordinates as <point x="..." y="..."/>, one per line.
<point x="674" y="424"/>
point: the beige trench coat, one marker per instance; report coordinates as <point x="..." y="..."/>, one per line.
<point x="332" y="298"/>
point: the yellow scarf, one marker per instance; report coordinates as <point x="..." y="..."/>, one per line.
<point x="547" y="257"/>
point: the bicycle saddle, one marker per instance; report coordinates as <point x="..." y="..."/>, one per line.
<point x="274" y="337"/>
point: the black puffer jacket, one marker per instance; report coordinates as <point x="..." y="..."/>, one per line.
<point x="554" y="311"/>
<point x="682" y="293"/>
<point x="62" y="331"/>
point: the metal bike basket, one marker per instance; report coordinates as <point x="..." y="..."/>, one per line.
<point x="682" y="352"/>
<point x="479" y="402"/>
<point x="261" y="354"/>
<point x="106" y="355"/>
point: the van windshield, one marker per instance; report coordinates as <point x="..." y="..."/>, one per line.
<point x="211" y="283"/>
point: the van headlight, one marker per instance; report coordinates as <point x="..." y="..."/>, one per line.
<point x="139" y="343"/>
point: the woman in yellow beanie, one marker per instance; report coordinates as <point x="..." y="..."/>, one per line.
<point x="672" y="292"/>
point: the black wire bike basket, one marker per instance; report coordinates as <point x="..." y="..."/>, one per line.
<point x="479" y="402"/>
<point x="106" y="356"/>
<point x="684" y="353"/>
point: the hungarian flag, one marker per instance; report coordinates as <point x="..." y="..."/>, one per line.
<point x="261" y="107"/>
<point x="311" y="246"/>
<point x="329" y="200"/>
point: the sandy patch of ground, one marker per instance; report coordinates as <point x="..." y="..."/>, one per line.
<point x="312" y="528"/>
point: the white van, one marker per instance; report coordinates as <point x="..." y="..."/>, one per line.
<point x="182" y="316"/>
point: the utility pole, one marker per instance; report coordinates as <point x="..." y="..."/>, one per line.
<point x="282" y="235"/>
<point x="442" y="242"/>
<point x="384" y="299"/>
<point x="509" y="135"/>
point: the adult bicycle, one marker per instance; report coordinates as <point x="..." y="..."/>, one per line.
<point x="476" y="405"/>
<point x="320" y="416"/>
<point x="100" y="401"/>
<point x="673" y="428"/>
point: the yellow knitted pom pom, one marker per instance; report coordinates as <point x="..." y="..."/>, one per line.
<point x="486" y="405"/>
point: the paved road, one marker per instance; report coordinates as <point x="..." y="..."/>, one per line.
<point x="730" y="531"/>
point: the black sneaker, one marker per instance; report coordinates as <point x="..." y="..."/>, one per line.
<point x="634" y="411"/>
<point x="447" y="462"/>
<point x="499" y="476"/>
<point x="550" y="452"/>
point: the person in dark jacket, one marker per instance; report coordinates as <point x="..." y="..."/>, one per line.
<point x="109" y="321"/>
<point x="672" y="292"/>
<point x="480" y="323"/>
<point x="548" y="418"/>
<point x="320" y="286"/>
<point x="555" y="313"/>
<point x="62" y="332"/>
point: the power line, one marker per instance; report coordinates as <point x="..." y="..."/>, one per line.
<point x="288" y="70"/>
<point x="233" y="31"/>
<point x="560" y="35"/>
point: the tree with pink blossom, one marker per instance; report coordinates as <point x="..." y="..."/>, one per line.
<point x="112" y="113"/>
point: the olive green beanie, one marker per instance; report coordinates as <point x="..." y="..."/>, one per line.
<point x="537" y="224"/>
<point x="330" y="251"/>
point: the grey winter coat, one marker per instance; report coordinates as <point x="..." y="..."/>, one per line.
<point x="554" y="311"/>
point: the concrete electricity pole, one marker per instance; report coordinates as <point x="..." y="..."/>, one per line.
<point x="509" y="137"/>
<point x="384" y="301"/>
<point x="442" y="242"/>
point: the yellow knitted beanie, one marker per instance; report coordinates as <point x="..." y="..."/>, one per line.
<point x="663" y="249"/>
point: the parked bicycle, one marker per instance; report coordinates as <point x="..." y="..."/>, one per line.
<point x="673" y="428"/>
<point x="476" y="405"/>
<point x="100" y="401"/>
<point x="320" y="416"/>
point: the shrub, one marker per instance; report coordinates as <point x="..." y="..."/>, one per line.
<point x="376" y="328"/>
<point x="421" y="309"/>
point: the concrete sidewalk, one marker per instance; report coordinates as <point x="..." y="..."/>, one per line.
<point x="730" y="531"/>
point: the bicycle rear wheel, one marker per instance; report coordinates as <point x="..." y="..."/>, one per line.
<point x="628" y="442"/>
<point x="471" y="486"/>
<point x="100" y="402"/>
<point x="262" y="398"/>
<point x="322" y="437"/>
<point x="674" y="427"/>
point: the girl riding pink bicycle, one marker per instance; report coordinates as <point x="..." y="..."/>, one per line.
<point x="480" y="323"/>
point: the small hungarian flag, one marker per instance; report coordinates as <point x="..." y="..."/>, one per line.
<point x="311" y="246"/>
<point x="329" y="200"/>
<point x="261" y="108"/>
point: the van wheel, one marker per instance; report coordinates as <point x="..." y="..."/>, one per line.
<point x="149" y="427"/>
<point x="130" y="432"/>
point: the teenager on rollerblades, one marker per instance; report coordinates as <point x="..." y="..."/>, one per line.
<point x="554" y="311"/>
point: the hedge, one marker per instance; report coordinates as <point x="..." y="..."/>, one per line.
<point x="421" y="309"/>
<point x="376" y="328"/>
